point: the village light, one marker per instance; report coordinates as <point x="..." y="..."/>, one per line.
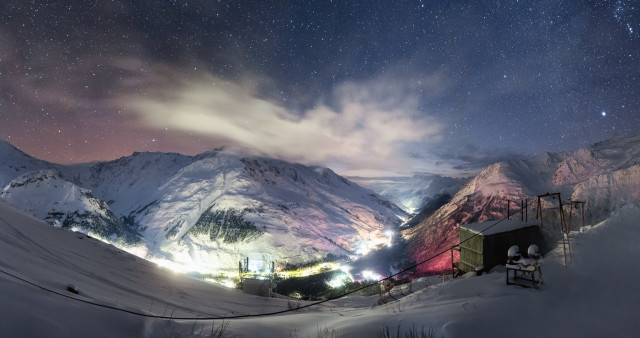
<point x="229" y="283"/>
<point x="364" y="248"/>
<point x="336" y="282"/>
<point x="346" y="270"/>
<point x="370" y="275"/>
<point x="389" y="234"/>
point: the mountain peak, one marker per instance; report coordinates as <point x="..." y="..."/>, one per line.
<point x="606" y="175"/>
<point x="209" y="210"/>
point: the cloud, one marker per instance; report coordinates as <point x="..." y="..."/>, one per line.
<point x="365" y="127"/>
<point x="465" y="158"/>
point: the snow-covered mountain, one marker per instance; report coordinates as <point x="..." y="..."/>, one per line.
<point x="14" y="163"/>
<point x="412" y="193"/>
<point x="56" y="283"/>
<point x="606" y="175"/>
<point x="47" y="196"/>
<point x="206" y="212"/>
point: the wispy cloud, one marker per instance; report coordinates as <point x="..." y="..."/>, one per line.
<point x="366" y="126"/>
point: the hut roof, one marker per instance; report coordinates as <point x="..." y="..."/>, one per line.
<point x="503" y="226"/>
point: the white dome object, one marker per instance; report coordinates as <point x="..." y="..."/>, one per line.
<point x="533" y="252"/>
<point x="513" y="253"/>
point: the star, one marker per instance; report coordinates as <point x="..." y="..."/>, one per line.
<point x="354" y="75"/>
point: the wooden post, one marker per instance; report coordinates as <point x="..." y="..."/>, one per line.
<point x="453" y="265"/>
<point x="453" y="270"/>
<point x="570" y="213"/>
<point x="539" y="210"/>
<point x="564" y="229"/>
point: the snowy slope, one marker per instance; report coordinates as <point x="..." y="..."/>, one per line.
<point x="54" y="258"/>
<point x="604" y="174"/>
<point x="594" y="297"/>
<point x="47" y="196"/>
<point x="265" y="209"/>
<point x="207" y="212"/>
<point x="14" y="162"/>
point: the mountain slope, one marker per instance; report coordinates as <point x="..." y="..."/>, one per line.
<point x="47" y="196"/>
<point x="102" y="274"/>
<point x="265" y="209"/>
<point x="604" y="174"/>
<point x="14" y="163"/>
<point x="595" y="296"/>
<point x="207" y="212"/>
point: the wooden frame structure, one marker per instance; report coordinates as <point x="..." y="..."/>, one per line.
<point x="525" y="275"/>
<point x="564" y="229"/>
<point x="524" y="210"/>
<point x="455" y="266"/>
<point x="576" y="204"/>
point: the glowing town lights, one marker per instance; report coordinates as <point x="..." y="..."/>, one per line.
<point x="316" y="269"/>
<point x="373" y="243"/>
<point x="363" y="248"/>
<point x="370" y="275"/>
<point x="336" y="282"/>
<point x="347" y="272"/>
<point x="168" y="265"/>
<point x="340" y="280"/>
<point x="228" y="283"/>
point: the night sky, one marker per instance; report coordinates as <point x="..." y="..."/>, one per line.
<point x="364" y="87"/>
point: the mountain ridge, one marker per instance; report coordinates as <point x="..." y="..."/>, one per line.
<point x="265" y="209"/>
<point x="593" y="174"/>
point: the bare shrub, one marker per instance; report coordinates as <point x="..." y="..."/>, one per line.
<point x="387" y="332"/>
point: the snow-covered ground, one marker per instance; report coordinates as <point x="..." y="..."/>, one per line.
<point x="596" y="296"/>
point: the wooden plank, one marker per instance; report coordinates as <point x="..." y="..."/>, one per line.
<point x="470" y="249"/>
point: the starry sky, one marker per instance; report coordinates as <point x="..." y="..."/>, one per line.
<point x="365" y="87"/>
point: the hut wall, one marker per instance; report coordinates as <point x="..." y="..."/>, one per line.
<point x="497" y="245"/>
<point x="471" y="252"/>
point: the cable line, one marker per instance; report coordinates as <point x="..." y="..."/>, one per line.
<point x="257" y="314"/>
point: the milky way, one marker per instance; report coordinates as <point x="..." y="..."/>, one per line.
<point x="387" y="87"/>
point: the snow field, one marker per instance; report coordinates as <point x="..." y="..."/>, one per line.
<point x="596" y="296"/>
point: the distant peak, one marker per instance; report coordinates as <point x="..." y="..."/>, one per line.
<point x="7" y="146"/>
